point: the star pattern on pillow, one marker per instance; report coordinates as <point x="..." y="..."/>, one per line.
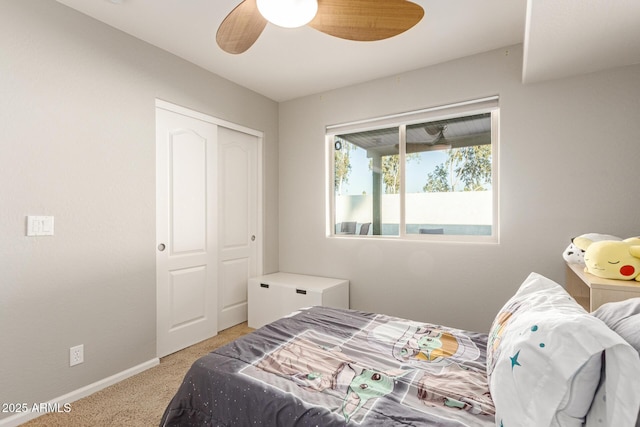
<point x="514" y="360"/>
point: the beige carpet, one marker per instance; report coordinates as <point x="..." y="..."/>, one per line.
<point x="138" y="401"/>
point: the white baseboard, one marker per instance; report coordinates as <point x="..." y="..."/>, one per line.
<point x="23" y="417"/>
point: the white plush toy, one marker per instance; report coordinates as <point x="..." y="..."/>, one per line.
<point x="575" y="255"/>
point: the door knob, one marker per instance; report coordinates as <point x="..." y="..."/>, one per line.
<point x="253" y="238"/>
<point x="161" y="247"/>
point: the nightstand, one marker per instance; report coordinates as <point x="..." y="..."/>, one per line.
<point x="591" y="291"/>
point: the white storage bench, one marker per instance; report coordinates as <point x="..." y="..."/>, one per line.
<point x="273" y="296"/>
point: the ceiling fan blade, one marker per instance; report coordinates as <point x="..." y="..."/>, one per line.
<point x="366" y="20"/>
<point x="241" y="28"/>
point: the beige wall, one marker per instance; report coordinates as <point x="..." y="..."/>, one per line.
<point x="568" y="165"/>
<point x="77" y="141"/>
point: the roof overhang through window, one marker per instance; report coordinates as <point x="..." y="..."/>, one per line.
<point x="426" y="136"/>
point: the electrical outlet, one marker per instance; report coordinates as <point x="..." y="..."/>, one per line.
<point x="76" y="355"/>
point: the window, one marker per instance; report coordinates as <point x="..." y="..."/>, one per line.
<point x="429" y="174"/>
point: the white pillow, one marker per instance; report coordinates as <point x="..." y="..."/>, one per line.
<point x="544" y="357"/>
<point x="623" y="318"/>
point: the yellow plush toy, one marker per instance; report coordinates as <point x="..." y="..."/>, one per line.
<point x="611" y="259"/>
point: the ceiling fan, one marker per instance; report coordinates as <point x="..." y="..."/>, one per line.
<point x="358" y="20"/>
<point x="439" y="142"/>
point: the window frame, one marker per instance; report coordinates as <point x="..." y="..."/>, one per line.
<point x="402" y="120"/>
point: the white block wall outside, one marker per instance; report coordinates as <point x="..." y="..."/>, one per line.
<point x="273" y="296"/>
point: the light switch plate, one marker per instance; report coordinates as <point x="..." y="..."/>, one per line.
<point x="39" y="226"/>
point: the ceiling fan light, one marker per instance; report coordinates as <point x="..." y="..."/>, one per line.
<point x="288" y="13"/>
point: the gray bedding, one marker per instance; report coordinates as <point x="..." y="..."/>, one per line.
<point x="331" y="367"/>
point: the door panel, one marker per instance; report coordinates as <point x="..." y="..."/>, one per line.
<point x="186" y="197"/>
<point x="188" y="296"/>
<point x="233" y="274"/>
<point x="235" y="167"/>
<point x="238" y="225"/>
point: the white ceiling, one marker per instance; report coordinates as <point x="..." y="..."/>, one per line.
<point x="569" y="37"/>
<point x="561" y="38"/>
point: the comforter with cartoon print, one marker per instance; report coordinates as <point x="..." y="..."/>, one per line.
<point x="332" y="367"/>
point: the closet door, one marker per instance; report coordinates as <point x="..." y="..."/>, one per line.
<point x="208" y="224"/>
<point x="186" y="231"/>
<point x="239" y="234"/>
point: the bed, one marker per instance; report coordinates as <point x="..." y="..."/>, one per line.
<point x="544" y="362"/>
